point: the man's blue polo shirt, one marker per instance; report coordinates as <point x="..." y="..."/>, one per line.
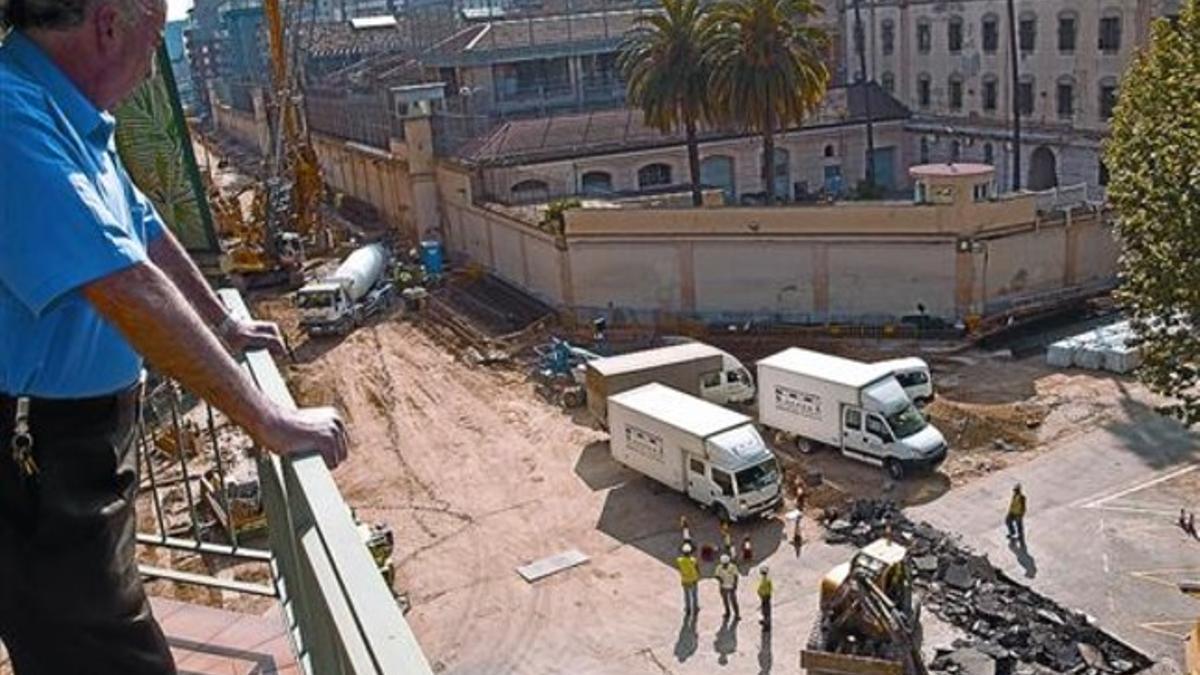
<point x="69" y="215"/>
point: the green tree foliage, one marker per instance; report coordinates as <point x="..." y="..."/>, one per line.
<point x="1153" y="157"/>
<point x="662" y="61"/>
<point x="768" y="68"/>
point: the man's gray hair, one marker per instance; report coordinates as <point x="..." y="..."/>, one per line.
<point x="62" y="14"/>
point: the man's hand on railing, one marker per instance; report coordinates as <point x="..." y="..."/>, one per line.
<point x="243" y="336"/>
<point x="295" y="431"/>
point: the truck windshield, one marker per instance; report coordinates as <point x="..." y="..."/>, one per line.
<point x="314" y="300"/>
<point x="757" y="477"/>
<point x="906" y="422"/>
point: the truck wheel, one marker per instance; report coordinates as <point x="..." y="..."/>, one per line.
<point x="723" y="514"/>
<point x="894" y="469"/>
<point x="805" y="446"/>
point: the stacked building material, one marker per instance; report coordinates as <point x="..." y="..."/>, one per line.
<point x="1106" y="348"/>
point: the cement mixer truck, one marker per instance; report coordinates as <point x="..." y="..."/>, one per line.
<point x="359" y="288"/>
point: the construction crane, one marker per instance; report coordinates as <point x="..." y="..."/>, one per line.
<point x="286" y="211"/>
<point x="870" y="622"/>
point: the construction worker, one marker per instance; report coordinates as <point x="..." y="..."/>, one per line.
<point x="727" y="577"/>
<point x="726" y="538"/>
<point x="765" y="589"/>
<point x="689" y="576"/>
<point x="1016" y="516"/>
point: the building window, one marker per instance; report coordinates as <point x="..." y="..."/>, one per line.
<point x="1102" y="178"/>
<point x="924" y="37"/>
<point x="1108" y="98"/>
<point x="887" y="37"/>
<point x="955" y="150"/>
<point x="653" y="175"/>
<point x="1066" y="98"/>
<point x="830" y="151"/>
<point x="924" y="151"/>
<point x="1025" y="97"/>
<point x="1110" y="34"/>
<point x="596" y="183"/>
<point x="991" y="34"/>
<point x="956" y="92"/>
<point x="954" y="34"/>
<point x="889" y="82"/>
<point x="989" y="153"/>
<point x="1027" y="32"/>
<point x="1066" y="33"/>
<point x="990" y="89"/>
<point x="982" y="191"/>
<point x="531" y="191"/>
<point x="923" y="90"/>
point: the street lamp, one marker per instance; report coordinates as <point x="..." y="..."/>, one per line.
<point x="1016" y="98"/>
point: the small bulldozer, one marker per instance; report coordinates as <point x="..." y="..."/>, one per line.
<point x="870" y="622"/>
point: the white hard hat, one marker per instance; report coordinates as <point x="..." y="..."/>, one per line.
<point x="724" y="558"/>
<point x="687" y="548"/>
<point x="764" y="570"/>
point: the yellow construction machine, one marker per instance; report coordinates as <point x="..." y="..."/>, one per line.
<point x="870" y="622"/>
<point x="285" y="216"/>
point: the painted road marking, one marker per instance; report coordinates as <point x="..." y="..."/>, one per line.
<point x="1100" y="502"/>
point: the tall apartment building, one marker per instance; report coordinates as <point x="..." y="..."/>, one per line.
<point x="951" y="64"/>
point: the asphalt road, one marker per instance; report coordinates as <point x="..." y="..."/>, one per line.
<point x="1101" y="529"/>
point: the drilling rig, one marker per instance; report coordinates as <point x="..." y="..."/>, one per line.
<point x="285" y="216"/>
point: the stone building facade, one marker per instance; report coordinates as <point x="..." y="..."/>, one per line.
<point x="950" y="63"/>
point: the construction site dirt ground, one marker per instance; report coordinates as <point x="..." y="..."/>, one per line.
<point x="477" y="475"/>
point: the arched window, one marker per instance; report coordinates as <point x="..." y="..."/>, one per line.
<point x="954" y="34"/>
<point x="596" y="183"/>
<point x="1110" y="31"/>
<point x="830" y="151"/>
<point x="531" y="190"/>
<point x="991" y="33"/>
<point x="1068" y="28"/>
<point x="654" y="175"/>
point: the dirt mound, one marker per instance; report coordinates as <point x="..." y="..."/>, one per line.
<point x="971" y="426"/>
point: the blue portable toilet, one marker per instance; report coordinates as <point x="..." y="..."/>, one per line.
<point x="432" y="257"/>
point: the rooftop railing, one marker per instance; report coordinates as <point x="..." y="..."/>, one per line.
<point x="212" y="494"/>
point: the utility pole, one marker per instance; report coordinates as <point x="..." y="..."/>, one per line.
<point x="1016" y="98"/>
<point x="860" y="38"/>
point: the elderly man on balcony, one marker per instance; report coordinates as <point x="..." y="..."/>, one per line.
<point x="91" y="282"/>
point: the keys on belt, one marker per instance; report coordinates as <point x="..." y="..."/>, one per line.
<point x="22" y="440"/>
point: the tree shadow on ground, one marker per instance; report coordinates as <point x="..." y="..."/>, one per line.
<point x="645" y="514"/>
<point x="599" y="470"/>
<point x="1158" y="441"/>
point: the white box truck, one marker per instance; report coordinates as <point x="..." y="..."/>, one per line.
<point x="820" y="400"/>
<point x="712" y="454"/>
<point x="694" y="368"/>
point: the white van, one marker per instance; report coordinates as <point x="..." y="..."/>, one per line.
<point x="712" y="454"/>
<point x="859" y="409"/>
<point x="914" y="375"/>
<point x="735" y="383"/>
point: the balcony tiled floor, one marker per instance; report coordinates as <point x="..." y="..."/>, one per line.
<point x="207" y="641"/>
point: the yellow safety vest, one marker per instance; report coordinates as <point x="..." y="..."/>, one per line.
<point x="765" y="587"/>
<point x="689" y="571"/>
<point x="1017" y="506"/>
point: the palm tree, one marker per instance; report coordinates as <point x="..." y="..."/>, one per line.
<point x="662" y="61"/>
<point x="768" y="69"/>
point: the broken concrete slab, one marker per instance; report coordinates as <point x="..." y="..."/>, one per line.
<point x="539" y="569"/>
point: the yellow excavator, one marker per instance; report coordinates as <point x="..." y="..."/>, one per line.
<point x="269" y="247"/>
<point x="870" y="622"/>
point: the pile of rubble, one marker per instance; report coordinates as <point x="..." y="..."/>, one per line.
<point x="1011" y="628"/>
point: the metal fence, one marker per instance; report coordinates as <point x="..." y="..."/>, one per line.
<point x="364" y="118"/>
<point x="209" y="488"/>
